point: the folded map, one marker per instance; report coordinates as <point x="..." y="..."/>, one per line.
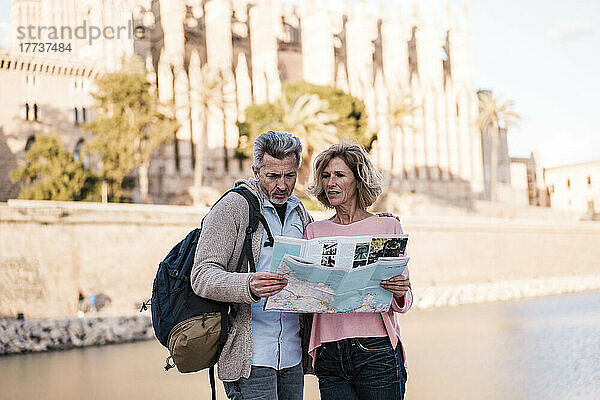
<point x="350" y="283"/>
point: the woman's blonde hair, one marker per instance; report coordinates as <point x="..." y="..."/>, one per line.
<point x="368" y="178"/>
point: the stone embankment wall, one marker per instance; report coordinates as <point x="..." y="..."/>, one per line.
<point x="50" y="250"/>
<point x="445" y="296"/>
<point x="23" y="336"/>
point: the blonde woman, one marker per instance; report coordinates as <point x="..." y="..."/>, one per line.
<point x="357" y="356"/>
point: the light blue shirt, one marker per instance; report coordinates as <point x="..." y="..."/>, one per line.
<point x="276" y="335"/>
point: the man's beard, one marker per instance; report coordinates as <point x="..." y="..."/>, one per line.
<point x="277" y="201"/>
<point x="269" y="195"/>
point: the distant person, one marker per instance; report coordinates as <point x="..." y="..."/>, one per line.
<point x="80" y="304"/>
<point x="92" y="302"/>
<point x="356" y="356"/>
<point x="102" y="300"/>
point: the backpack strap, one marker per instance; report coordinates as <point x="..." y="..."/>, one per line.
<point x="211" y="379"/>
<point x="255" y="216"/>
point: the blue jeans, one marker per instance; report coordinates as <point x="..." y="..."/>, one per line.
<point x="266" y="383"/>
<point x="361" y="369"/>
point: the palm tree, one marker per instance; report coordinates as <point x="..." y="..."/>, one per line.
<point x="401" y="111"/>
<point x="494" y="113"/>
<point x="309" y="118"/>
<point x="208" y="86"/>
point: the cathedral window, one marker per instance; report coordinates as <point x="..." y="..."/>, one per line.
<point x="446" y="62"/>
<point x="176" y="151"/>
<point x="76" y="115"/>
<point x="377" y="52"/>
<point x="35" y="112"/>
<point x="413" y="62"/>
<point x="26" y="111"/>
<point x="83" y="114"/>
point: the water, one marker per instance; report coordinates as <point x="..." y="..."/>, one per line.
<point x="544" y="348"/>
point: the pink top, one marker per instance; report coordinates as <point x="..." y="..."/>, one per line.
<point x="332" y="327"/>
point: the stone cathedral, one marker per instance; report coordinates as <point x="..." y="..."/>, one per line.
<point x="374" y="50"/>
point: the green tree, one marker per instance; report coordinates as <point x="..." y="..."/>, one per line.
<point x="51" y="173"/>
<point x="493" y="114"/>
<point x="307" y="117"/>
<point x="128" y="128"/>
<point x="352" y="122"/>
<point x="401" y="112"/>
<point x="319" y="115"/>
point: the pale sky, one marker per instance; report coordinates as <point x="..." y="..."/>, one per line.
<point x="544" y="55"/>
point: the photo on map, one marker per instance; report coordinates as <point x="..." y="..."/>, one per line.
<point x="376" y="250"/>
<point x="328" y="261"/>
<point x="329" y="249"/>
<point x="394" y="247"/>
<point x="359" y="263"/>
<point x="361" y="251"/>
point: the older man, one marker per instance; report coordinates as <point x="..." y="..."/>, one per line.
<point x="262" y="358"/>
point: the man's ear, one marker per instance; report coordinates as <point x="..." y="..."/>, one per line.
<point x="255" y="171"/>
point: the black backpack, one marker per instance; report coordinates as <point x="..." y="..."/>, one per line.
<point x="192" y="328"/>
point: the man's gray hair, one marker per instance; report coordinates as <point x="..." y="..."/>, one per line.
<point x="278" y="145"/>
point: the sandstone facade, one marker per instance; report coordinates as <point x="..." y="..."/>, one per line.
<point x="51" y="250"/>
<point x="415" y="48"/>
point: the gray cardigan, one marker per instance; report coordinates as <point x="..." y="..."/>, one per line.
<point x="213" y="277"/>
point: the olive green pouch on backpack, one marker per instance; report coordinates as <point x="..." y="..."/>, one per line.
<point x="193" y="343"/>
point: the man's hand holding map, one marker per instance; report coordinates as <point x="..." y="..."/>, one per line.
<point x="336" y="274"/>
